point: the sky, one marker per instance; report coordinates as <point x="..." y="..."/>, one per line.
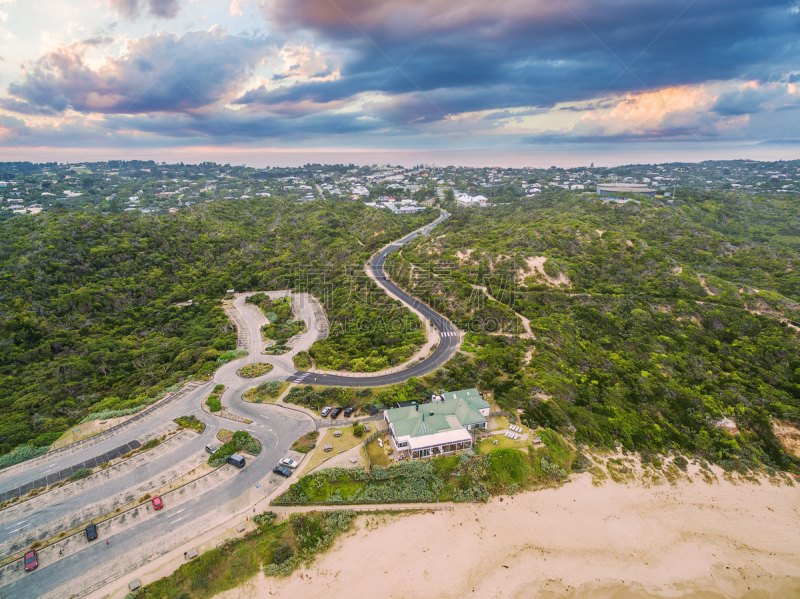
<point x="470" y="82"/>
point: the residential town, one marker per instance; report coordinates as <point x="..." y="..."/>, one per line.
<point x="149" y="187"/>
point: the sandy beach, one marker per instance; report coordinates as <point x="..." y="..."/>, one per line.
<point x="694" y="538"/>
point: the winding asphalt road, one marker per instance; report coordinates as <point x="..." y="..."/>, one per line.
<point x="274" y="427"/>
<point x="449" y="336"/>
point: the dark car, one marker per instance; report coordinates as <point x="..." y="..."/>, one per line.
<point x="336" y="412"/>
<point x="236" y="460"/>
<point x="282" y="471"/>
<point x="348" y="412"/>
<point x="31" y="560"/>
<point x="157" y="503"/>
<point x="91" y="532"/>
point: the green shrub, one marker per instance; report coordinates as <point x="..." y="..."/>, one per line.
<point x="358" y="430"/>
<point x="150" y="444"/>
<point x="269" y="388"/>
<point x="282" y="554"/>
<point x="20" y="454"/>
<point x="214" y="404"/>
<point x="218" y="388"/>
<point x="79" y="474"/>
<point x="302" y="360"/>
<point x="681" y="462"/>
<point x="506" y="466"/>
<point x="230" y="356"/>
<point x="265" y="518"/>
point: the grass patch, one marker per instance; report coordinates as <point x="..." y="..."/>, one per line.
<point x="306" y="443"/>
<point x="225" y="435"/>
<point x="191" y="422"/>
<point x="240" y="441"/>
<point x="266" y="392"/>
<point x="347" y="441"/>
<point x="252" y="371"/>
<point x="503" y="442"/>
<point x="501" y="422"/>
<point x="377" y="454"/>
<point x="277" y="549"/>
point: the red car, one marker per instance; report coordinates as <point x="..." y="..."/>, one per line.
<point x="31" y="560"/>
<point x="157" y="503"/>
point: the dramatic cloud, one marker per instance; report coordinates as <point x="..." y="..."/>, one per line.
<point x="514" y="71"/>
<point x="158" y="73"/>
<point x="544" y="52"/>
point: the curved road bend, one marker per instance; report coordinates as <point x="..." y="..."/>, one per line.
<point x="449" y="336"/>
<point x="274" y="428"/>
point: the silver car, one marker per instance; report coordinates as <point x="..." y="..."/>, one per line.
<point x="325" y="411"/>
<point x="289" y="463"/>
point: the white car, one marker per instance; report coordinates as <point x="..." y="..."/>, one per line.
<point x="289" y="463"/>
<point x="325" y="411"/>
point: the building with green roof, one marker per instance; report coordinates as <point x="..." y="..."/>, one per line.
<point x="437" y="428"/>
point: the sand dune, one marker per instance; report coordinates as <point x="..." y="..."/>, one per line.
<point x="613" y="541"/>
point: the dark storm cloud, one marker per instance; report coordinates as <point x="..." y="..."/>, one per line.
<point x="159" y="73"/>
<point x="536" y="53"/>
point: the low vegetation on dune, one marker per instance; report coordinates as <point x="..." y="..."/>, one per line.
<point x="460" y="478"/>
<point x="650" y="324"/>
<point x="277" y="549"/>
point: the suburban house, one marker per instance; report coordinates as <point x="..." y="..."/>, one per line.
<point x="437" y="428"/>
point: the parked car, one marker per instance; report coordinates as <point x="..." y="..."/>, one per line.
<point x="325" y="411"/>
<point x="336" y="412"/>
<point x="289" y="463"/>
<point x="282" y="471"/>
<point x="348" y="412"/>
<point x="31" y="560"/>
<point x="236" y="460"/>
<point x="91" y="532"/>
<point x="157" y="503"/>
<point x="210" y="448"/>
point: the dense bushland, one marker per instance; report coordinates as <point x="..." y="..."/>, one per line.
<point x="88" y="314"/>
